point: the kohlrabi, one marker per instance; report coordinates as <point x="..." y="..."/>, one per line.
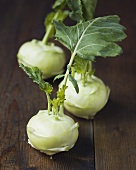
<point x="92" y="96"/>
<point x="50" y="131"/>
<point x="49" y="58"/>
<point x="87" y="40"/>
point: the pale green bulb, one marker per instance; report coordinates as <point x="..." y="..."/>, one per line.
<point x="91" y="98"/>
<point x="51" y="134"/>
<point x="49" y="59"/>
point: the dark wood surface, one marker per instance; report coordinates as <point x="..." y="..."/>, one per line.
<point x="106" y="143"/>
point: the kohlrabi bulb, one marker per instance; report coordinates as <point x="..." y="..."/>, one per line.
<point x="91" y="98"/>
<point x="49" y="59"/>
<point x="51" y="134"/>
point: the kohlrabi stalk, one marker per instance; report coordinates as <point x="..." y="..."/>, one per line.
<point x="69" y="67"/>
<point x="49" y="102"/>
<point x="66" y="77"/>
<point x="50" y="28"/>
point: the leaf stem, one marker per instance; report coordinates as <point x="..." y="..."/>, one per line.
<point x="66" y="75"/>
<point x="51" y="26"/>
<point x="49" y="103"/>
<point x="69" y="67"/>
<point x="89" y="66"/>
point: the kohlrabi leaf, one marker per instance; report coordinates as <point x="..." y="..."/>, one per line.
<point x="61" y="94"/>
<point x="56" y="102"/>
<point x="59" y="4"/>
<point x="81" y="10"/>
<point x="76" y="10"/>
<point x="88" y="8"/>
<point x="80" y="65"/>
<point x="96" y="37"/>
<point x="74" y="82"/>
<point x="59" y="15"/>
<point x="59" y="76"/>
<point x="36" y="75"/>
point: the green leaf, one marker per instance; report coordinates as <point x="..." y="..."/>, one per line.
<point x="74" y="82"/>
<point x="56" y="102"/>
<point x="36" y="75"/>
<point x="82" y="10"/>
<point x="59" y="15"/>
<point x="80" y="65"/>
<point x="76" y="10"/>
<point x="59" y="4"/>
<point x="96" y="37"/>
<point x="59" y="76"/>
<point x="61" y="94"/>
<point x="88" y="8"/>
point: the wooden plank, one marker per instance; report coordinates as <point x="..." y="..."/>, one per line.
<point x="20" y="99"/>
<point x="114" y="126"/>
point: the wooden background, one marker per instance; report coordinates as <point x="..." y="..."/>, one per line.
<point x="106" y="143"/>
